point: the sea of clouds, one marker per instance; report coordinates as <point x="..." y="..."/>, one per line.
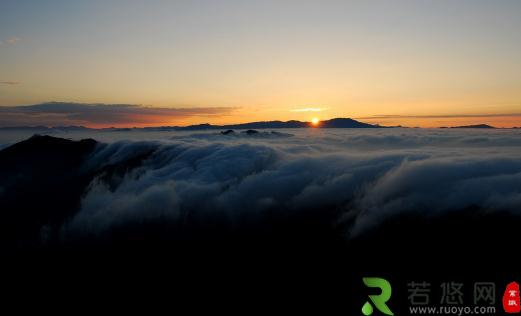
<point x="368" y="174"/>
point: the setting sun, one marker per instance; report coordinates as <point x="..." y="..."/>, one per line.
<point x="315" y="121"/>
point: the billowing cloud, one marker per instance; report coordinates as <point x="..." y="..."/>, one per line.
<point x="65" y="113"/>
<point x="173" y="182"/>
<point x="438" y="185"/>
<point x="369" y="175"/>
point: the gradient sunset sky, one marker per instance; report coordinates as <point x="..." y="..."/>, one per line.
<point x="415" y="63"/>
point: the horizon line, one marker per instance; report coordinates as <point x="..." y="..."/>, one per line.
<point x="122" y="115"/>
<point x="310" y="124"/>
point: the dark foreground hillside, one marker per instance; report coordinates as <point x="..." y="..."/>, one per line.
<point x="300" y="257"/>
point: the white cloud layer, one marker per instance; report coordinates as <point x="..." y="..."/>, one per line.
<point x="370" y="175"/>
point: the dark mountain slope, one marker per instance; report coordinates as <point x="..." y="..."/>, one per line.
<point x="42" y="180"/>
<point x="40" y="183"/>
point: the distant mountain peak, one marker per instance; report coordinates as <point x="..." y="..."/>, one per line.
<point x="332" y="123"/>
<point x="474" y="126"/>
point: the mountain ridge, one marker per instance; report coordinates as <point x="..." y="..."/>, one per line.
<point x="275" y="124"/>
<point x="332" y="123"/>
<point x="474" y="126"/>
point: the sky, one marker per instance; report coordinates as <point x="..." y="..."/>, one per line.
<point x="413" y="63"/>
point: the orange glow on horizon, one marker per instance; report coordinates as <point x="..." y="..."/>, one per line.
<point x="423" y="122"/>
<point x="435" y="122"/>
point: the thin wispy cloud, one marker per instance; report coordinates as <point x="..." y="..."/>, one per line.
<point x="10" y="41"/>
<point x="9" y="83"/>
<point x="308" y="110"/>
<point x="101" y="114"/>
<point x="13" y="40"/>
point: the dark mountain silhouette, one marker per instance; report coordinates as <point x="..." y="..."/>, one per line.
<point x="346" y="123"/>
<point x="41" y="183"/>
<point x="474" y="126"/>
<point x="332" y="123"/>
